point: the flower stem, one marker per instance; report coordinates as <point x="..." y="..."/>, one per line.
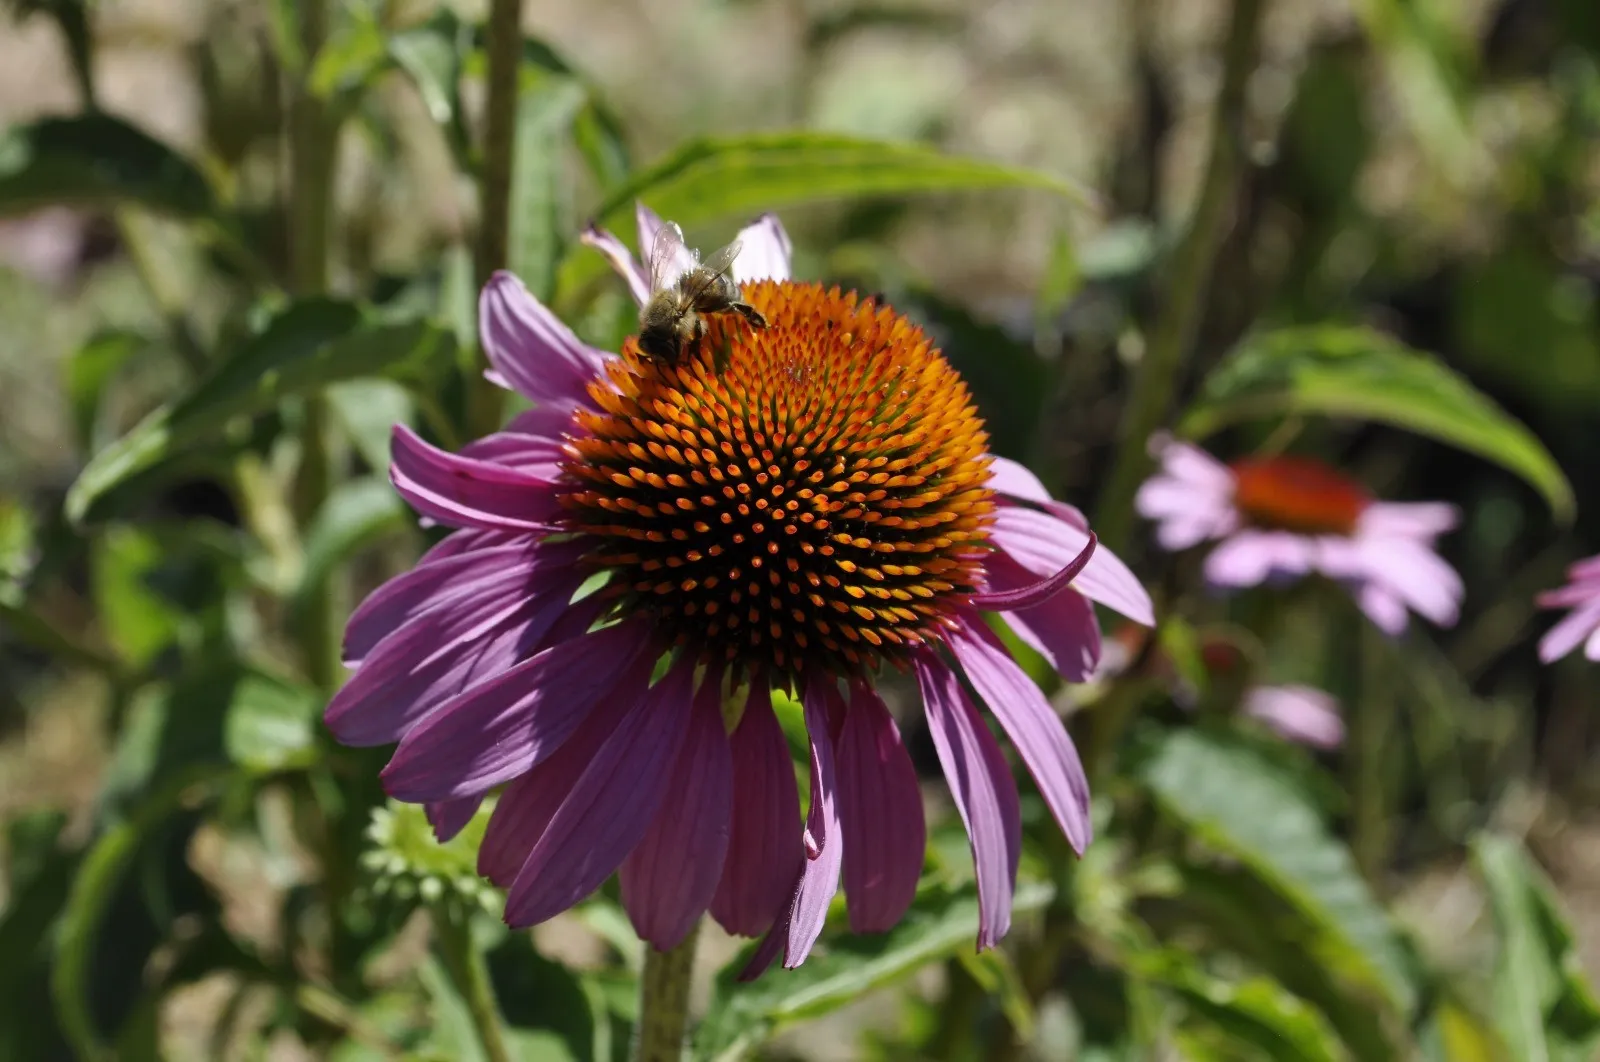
<point x="1173" y="332"/>
<point x="664" y="1001"/>
<point x="503" y="45"/>
<point x="452" y="928"/>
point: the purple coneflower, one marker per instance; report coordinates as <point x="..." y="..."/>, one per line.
<point x="1280" y="518"/>
<point x="797" y="507"/>
<point x="1582" y="624"/>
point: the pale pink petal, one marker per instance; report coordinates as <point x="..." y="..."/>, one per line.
<point x="766" y="251"/>
<point x="670" y="876"/>
<point x="500" y="728"/>
<point x="819" y="878"/>
<point x="1424" y="521"/>
<point x="981" y="784"/>
<point x="1250" y="557"/>
<point x="764" y="849"/>
<point x="1044" y="544"/>
<point x="621" y="260"/>
<point x="460" y="492"/>
<point x="1591" y="648"/>
<point x="650" y="224"/>
<point x="450" y="817"/>
<point x="1189" y="463"/>
<point x="609" y="809"/>
<point x="1416" y="575"/>
<point x="1566" y="636"/>
<point x="539" y="356"/>
<point x="1299" y="713"/>
<point x="1015" y="481"/>
<point x="1569" y="596"/>
<point x="880" y="811"/>
<point x="1588" y="568"/>
<point x="1033" y="726"/>
<point x="1382" y="607"/>
<point x="430" y="659"/>
<point x="1063" y="629"/>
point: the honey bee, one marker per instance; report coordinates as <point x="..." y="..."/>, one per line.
<point x="681" y="298"/>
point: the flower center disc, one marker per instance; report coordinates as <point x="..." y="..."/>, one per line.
<point x="811" y="493"/>
<point x="1298" y="494"/>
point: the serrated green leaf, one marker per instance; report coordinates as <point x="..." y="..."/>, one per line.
<point x="97" y="160"/>
<point x="309" y="345"/>
<point x="716" y="177"/>
<point x="1243" y="806"/>
<point x="1360" y="373"/>
<point x="1544" y="1003"/>
<point x="940" y="924"/>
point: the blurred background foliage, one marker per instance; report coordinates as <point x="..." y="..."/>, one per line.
<point x="239" y="239"/>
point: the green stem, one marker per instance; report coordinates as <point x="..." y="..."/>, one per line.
<point x="1370" y="727"/>
<point x="503" y="45"/>
<point x="1179" y="319"/>
<point x="664" y="1001"/>
<point x="470" y="975"/>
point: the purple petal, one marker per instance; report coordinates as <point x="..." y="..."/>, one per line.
<point x="621" y="260"/>
<point x="1189" y="463"/>
<point x="532" y="454"/>
<point x="539" y="356"/>
<point x="668" y="880"/>
<point x="1063" y="630"/>
<point x="609" y="809"/>
<point x="469" y="540"/>
<point x="460" y="492"/>
<point x="1044" y="544"/>
<point x="1036" y="593"/>
<point x="1591" y="648"/>
<point x="819" y="879"/>
<point x="450" y="817"/>
<point x="1013" y="480"/>
<point x="500" y="728"/>
<point x="435" y="656"/>
<point x="984" y="792"/>
<point x="1383" y="608"/>
<point x="1565" y="636"/>
<point x="766" y="251"/>
<point x="880" y="808"/>
<point x="452" y="580"/>
<point x="1250" y="557"/>
<point x="1423" y="521"/>
<point x="1411" y="572"/>
<point x="1298" y="713"/>
<point x="764" y="849"/>
<point x="1033" y="726"/>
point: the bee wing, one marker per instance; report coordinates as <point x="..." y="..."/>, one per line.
<point x="712" y="268"/>
<point x="669" y="258"/>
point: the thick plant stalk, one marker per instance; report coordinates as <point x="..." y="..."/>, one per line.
<point x="664" y="1001"/>
<point x="470" y="975"/>
<point x="1173" y="334"/>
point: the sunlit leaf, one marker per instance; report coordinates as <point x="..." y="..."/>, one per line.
<point x="139" y="620"/>
<point x="309" y="345"/>
<point x="1544" y="1003"/>
<point x="270" y="723"/>
<point x="940" y="924"/>
<point x="1243" y="806"/>
<point x="96" y="160"/>
<point x="718" y="177"/>
<point x="1363" y="374"/>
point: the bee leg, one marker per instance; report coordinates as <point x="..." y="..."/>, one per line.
<point x="749" y="313"/>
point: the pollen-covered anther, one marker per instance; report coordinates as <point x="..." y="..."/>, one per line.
<point x="836" y="441"/>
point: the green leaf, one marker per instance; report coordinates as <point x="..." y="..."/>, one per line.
<point x="139" y="620"/>
<point x="355" y="514"/>
<point x="716" y="177"/>
<point x="540" y="197"/>
<point x="1545" y="1005"/>
<point x="270" y="723"/>
<point x="309" y="345"/>
<point x="1360" y="373"/>
<point x="1243" y="806"/>
<point x="96" y="160"/>
<point x="88" y="372"/>
<point x="1257" y="1018"/>
<point x="940" y="924"/>
<point x="19" y="550"/>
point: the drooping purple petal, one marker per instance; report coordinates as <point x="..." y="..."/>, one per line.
<point x="764" y="849"/>
<point x="981" y="784"/>
<point x="669" y="878"/>
<point x="880" y="812"/>
<point x="526" y="453"/>
<point x="453" y="580"/>
<point x="460" y="492"/>
<point x="531" y="348"/>
<point x="1250" y="557"/>
<point x="1573" y="629"/>
<point x="766" y="251"/>
<point x="819" y="879"/>
<point x="469" y="540"/>
<point x="1063" y="629"/>
<point x="1298" y="713"/>
<point x="450" y="817"/>
<point x="1383" y="607"/>
<point x="1420" y="521"/>
<point x="1033" y="726"/>
<point x="1044" y="544"/>
<point x="621" y="260"/>
<point x="609" y="809"/>
<point x="1412" y="572"/>
<point x="1037" y="592"/>
<point x="433" y="657"/>
<point x="503" y="726"/>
